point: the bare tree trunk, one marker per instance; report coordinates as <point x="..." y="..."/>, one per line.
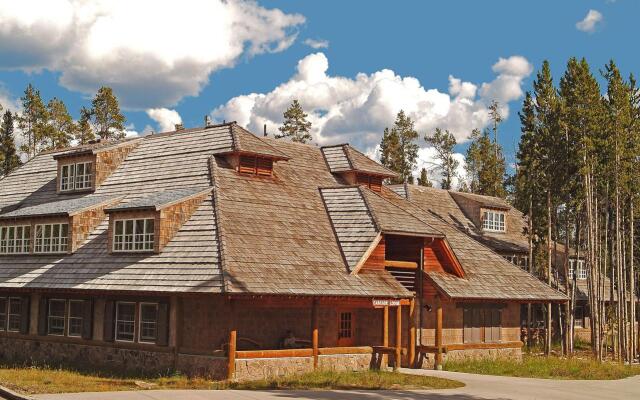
<point x="568" y="305"/>
<point x="530" y="268"/>
<point x="547" y="347"/>
<point x="632" y="284"/>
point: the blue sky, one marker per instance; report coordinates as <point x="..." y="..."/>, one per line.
<point x="141" y="51"/>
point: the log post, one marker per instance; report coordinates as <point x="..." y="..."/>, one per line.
<point x="412" y="333"/>
<point x="438" y="361"/>
<point x="385" y="334"/>
<point x="233" y="335"/>
<point x="397" y="363"/>
<point x="314" y="332"/>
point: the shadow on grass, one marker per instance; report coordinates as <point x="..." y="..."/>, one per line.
<point x="374" y="395"/>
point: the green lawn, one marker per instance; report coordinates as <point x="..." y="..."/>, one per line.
<point x="44" y="380"/>
<point x="553" y="367"/>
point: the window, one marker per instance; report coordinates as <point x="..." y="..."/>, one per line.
<point x="75" y="317"/>
<point x="148" y="322"/>
<point x="372" y="182"/>
<point x="15" y="239"/>
<point x="134" y="235"/>
<point x="482" y="325"/>
<point x="255" y="165"/>
<point x="345" y="328"/>
<point x="76" y="176"/>
<point x="51" y="238"/>
<point x="15" y="314"/>
<point x="3" y="314"/>
<point x="125" y="321"/>
<point x="56" y="317"/>
<point x="582" y="270"/>
<point x="578" y="320"/>
<point x="493" y="221"/>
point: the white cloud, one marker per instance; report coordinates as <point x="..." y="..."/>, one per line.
<point x="427" y="158"/>
<point x="166" y="119"/>
<point x="357" y="110"/>
<point x="152" y="53"/>
<point x="7" y="101"/>
<point x="317" y="43"/>
<point x="588" y="24"/>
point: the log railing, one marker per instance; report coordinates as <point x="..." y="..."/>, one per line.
<point x="286" y="353"/>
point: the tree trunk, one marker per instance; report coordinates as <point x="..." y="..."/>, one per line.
<point x="547" y="347"/>
<point x="632" y="284"/>
<point x="530" y="268"/>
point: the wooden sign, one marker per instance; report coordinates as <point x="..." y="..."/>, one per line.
<point x="378" y="303"/>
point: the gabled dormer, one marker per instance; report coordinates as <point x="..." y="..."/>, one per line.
<point x="147" y="224"/>
<point x="489" y="214"/>
<point x="354" y="167"/>
<point x="83" y="169"/>
<point x="247" y="153"/>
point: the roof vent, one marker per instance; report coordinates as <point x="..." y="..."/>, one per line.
<point x="179" y="127"/>
<point x="207" y="121"/>
<point x="265" y="130"/>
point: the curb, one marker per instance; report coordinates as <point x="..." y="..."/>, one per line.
<point x="11" y="395"/>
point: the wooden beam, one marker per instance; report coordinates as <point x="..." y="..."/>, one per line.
<point x="412" y="333"/>
<point x="231" y="358"/>
<point x="385" y="333"/>
<point x="438" y="361"/>
<point x="397" y="363"/>
<point x="401" y="264"/>
<point x="366" y="254"/>
<point x="314" y="333"/>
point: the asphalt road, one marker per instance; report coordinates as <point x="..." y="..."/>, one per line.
<point x="477" y="387"/>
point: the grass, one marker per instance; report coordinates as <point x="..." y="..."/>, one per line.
<point x="31" y="380"/>
<point x="553" y="367"/>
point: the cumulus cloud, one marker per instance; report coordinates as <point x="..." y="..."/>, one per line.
<point x="317" y="43"/>
<point x="152" y="53"/>
<point x="590" y="21"/>
<point x="7" y="101"/>
<point x="357" y="110"/>
<point x="166" y="119"/>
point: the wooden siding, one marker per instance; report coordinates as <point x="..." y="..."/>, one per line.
<point x="376" y="259"/>
<point x="107" y="161"/>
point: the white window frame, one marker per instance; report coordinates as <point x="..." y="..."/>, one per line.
<point x="50" y="317"/>
<point x="493" y="221"/>
<point x="133" y="336"/>
<point x="140" y="327"/>
<point x="73" y="180"/>
<point x="57" y="245"/>
<point x="15" y="245"/>
<point x="69" y="317"/>
<point x="146" y="240"/>
<point x="582" y="270"/>
<point x="9" y="314"/>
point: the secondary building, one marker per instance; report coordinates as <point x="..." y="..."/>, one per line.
<point x="215" y="252"/>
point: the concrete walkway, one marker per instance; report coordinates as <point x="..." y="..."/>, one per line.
<point x="478" y="387"/>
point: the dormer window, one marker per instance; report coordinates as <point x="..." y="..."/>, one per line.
<point x="373" y="182"/>
<point x="133" y="235"/>
<point x="493" y="221"/>
<point x="581" y="270"/>
<point x="51" y="238"/>
<point x="255" y="165"/>
<point x="76" y="176"/>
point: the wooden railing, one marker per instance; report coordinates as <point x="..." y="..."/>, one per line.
<point x="285" y="353"/>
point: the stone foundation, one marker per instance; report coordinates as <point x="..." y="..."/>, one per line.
<point x="202" y="366"/>
<point x="427" y="360"/>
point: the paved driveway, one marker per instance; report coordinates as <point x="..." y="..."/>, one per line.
<point x="478" y="387"/>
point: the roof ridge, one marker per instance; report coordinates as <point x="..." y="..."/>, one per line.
<point x="218" y="221"/>
<point x="236" y="142"/>
<point x="374" y="218"/>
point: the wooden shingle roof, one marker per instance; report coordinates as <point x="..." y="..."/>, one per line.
<point x="62" y="207"/>
<point x="344" y="158"/>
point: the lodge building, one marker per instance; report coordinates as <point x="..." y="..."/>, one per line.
<point x="215" y="252"/>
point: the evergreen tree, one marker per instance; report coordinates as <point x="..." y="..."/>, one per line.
<point x="107" y="120"/>
<point x="32" y="120"/>
<point x="60" y="128"/>
<point x="8" y="153"/>
<point x="443" y="143"/>
<point x="423" y="180"/>
<point x="83" y="130"/>
<point x="398" y="148"/>
<point x="295" y="125"/>
<point x="485" y="165"/>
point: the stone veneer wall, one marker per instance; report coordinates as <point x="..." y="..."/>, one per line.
<point x="472" y="354"/>
<point x="265" y="368"/>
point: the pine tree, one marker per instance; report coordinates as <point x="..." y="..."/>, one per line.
<point x="295" y="125"/>
<point x="32" y="120"/>
<point x="60" y="128"/>
<point x="485" y="170"/>
<point x="443" y="143"/>
<point x="399" y="151"/>
<point x="83" y="130"/>
<point x="8" y="153"/>
<point x="107" y="120"/>
<point x="423" y="180"/>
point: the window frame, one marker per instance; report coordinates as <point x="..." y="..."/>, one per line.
<point x="80" y="318"/>
<point x="255" y="165"/>
<point x="140" y="322"/>
<point x="70" y="181"/>
<point x="117" y="320"/>
<point x="134" y="234"/>
<point x="25" y="239"/>
<point x="494" y="221"/>
<point x="63" y="317"/>
<point x="4" y="321"/>
<point x="346" y="340"/>
<point x="477" y="318"/>
<point x="51" y="240"/>
<point x="10" y="314"/>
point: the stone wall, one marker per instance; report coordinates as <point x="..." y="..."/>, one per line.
<point x="265" y="368"/>
<point x="427" y="361"/>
